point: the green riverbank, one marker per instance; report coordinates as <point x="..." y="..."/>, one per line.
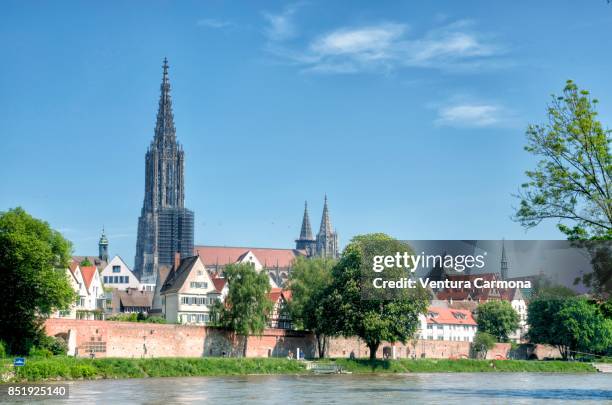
<point x="68" y="368"/>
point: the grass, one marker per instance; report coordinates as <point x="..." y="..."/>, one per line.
<point x="69" y="368"/>
<point x="463" y="365"/>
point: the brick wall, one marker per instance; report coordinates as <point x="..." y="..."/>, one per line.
<point x="130" y="339"/>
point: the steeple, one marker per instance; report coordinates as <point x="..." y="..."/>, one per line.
<point x="327" y="239"/>
<point x="306" y="241"/>
<point x="103" y="246"/>
<point x="325" y="223"/>
<point x="504" y="262"/>
<point x="306" y="232"/>
<point x="165" y="132"/>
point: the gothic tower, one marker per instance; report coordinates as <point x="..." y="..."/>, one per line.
<point x="103" y="247"/>
<point x="327" y="239"/>
<point x="504" y="263"/>
<point x="165" y="226"/>
<point x="306" y="241"/>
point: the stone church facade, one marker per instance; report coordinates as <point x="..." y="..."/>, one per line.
<point x="165" y="226"/>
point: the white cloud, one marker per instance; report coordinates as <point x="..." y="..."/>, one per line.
<point x="214" y="23"/>
<point x="477" y="115"/>
<point x="281" y="26"/>
<point x="389" y="46"/>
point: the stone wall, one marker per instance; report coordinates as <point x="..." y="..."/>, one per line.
<point x="436" y="349"/>
<point x="130" y="339"/>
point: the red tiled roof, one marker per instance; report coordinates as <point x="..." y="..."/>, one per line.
<point x="88" y="274"/>
<point x="218" y="282"/>
<point x="450" y="316"/>
<point x="268" y="257"/>
<point x="276" y="293"/>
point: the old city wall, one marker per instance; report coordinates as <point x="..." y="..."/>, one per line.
<point x="130" y="339"/>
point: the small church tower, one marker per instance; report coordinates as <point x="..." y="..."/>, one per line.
<point x="306" y="241"/>
<point x="327" y="239"/>
<point x="103" y="247"/>
<point x="504" y="263"/>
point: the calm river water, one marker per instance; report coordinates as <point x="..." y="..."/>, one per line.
<point x="464" y="388"/>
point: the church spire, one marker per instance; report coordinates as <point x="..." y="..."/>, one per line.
<point x="306" y="232"/>
<point x="327" y="239"/>
<point x="306" y="241"/>
<point x="325" y="222"/>
<point x="504" y="262"/>
<point x="165" y="132"/>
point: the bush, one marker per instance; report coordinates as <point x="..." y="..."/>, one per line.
<point x="3" y="351"/>
<point x="57" y="346"/>
<point x="40" y="352"/>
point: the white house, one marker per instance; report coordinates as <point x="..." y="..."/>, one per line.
<point x="86" y="283"/>
<point x="447" y="324"/>
<point x="188" y="293"/>
<point x="517" y="300"/>
<point x="117" y="274"/>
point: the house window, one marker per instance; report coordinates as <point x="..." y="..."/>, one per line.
<point x="116" y="269"/>
<point x="105" y="279"/>
<point x="185" y="300"/>
<point x="198" y="284"/>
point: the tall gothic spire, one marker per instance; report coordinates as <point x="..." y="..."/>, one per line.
<point x="325" y="222"/>
<point x="165" y="133"/>
<point x="504" y="262"/>
<point x="306" y="232"/>
<point x="327" y="239"/>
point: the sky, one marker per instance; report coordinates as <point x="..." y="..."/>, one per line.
<point x="409" y="115"/>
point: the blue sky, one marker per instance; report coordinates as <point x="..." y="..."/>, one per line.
<point x="409" y="115"/>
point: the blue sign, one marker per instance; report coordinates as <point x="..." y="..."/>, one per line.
<point x="19" y="362"/>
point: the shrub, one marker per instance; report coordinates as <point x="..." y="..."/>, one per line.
<point x="57" y="346"/>
<point x="40" y="352"/>
<point x="3" y="351"/>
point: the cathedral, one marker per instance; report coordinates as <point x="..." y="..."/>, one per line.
<point x="165" y="226"/>
<point x="326" y="242"/>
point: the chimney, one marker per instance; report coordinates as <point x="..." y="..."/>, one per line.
<point x="177" y="260"/>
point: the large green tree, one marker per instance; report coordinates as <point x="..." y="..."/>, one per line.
<point x="247" y="306"/>
<point x="498" y="319"/>
<point x="33" y="262"/>
<point x="570" y="324"/>
<point x="572" y="182"/>
<point x="353" y="307"/>
<point x="309" y="281"/>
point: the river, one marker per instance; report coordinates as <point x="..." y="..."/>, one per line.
<point x="440" y="388"/>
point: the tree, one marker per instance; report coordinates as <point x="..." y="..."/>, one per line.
<point x="498" y="319"/>
<point x="85" y="262"/>
<point x="352" y="307"/>
<point x="483" y="342"/>
<point x="308" y="282"/>
<point x="570" y="324"/>
<point x="572" y="182"/>
<point x="33" y="262"/>
<point x="247" y="305"/>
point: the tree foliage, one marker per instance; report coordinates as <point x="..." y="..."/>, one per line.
<point x="571" y="324"/>
<point x="33" y="259"/>
<point x="572" y="182"/>
<point x="309" y="280"/>
<point x="498" y="319"/>
<point x="247" y="305"/>
<point x="483" y="342"/>
<point x="352" y="308"/>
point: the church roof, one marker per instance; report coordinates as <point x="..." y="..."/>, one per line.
<point x="268" y="257"/>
